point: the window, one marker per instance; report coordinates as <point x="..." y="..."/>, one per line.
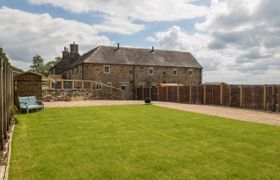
<point x="164" y="73"/>
<point x="106" y="69"/>
<point x="190" y="71"/>
<point x="109" y="83"/>
<point x="98" y="87"/>
<point x="174" y="72"/>
<point x="151" y="71"/>
<point x="123" y="87"/>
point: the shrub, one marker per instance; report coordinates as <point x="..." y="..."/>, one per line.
<point x="147" y="101"/>
<point x="14" y="110"/>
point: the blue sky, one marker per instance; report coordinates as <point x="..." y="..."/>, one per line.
<point x="235" y="41"/>
<point x="95" y="17"/>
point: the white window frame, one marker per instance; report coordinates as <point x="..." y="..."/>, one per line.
<point x="175" y="70"/>
<point x="104" y="68"/>
<point x="153" y="69"/>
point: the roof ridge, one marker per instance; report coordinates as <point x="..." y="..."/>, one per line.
<point x="95" y="50"/>
<point x="127" y="47"/>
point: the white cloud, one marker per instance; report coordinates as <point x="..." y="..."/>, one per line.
<point x="240" y="38"/>
<point x="221" y="65"/>
<point x="25" y="35"/>
<point x="145" y="10"/>
<point x="119" y="25"/>
<point x="251" y="28"/>
<point x="129" y="17"/>
<point x="176" y="39"/>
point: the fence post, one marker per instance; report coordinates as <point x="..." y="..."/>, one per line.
<point x="230" y="98"/>
<point x="221" y="94"/>
<point x="142" y="88"/>
<point x="1" y="103"/>
<point x="167" y="93"/>
<point x="50" y="84"/>
<point x="82" y="85"/>
<point x="241" y="96"/>
<point x="73" y="85"/>
<point x="204" y="94"/>
<point x="264" y="97"/>
<point x="190" y="94"/>
<point x="178" y="93"/>
<point x="278" y="102"/>
<point x="8" y="98"/>
<point x="5" y="100"/>
<point x="158" y="93"/>
<point x="62" y="85"/>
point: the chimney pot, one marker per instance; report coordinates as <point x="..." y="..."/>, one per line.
<point x="74" y="48"/>
<point x="65" y="53"/>
<point x="153" y="50"/>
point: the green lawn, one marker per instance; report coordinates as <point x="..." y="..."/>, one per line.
<point x="141" y="142"/>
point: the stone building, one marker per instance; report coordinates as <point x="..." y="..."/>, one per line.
<point x="68" y="59"/>
<point x="128" y="68"/>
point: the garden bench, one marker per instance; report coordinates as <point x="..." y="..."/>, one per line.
<point x="30" y="103"/>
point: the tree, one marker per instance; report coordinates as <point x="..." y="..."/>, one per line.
<point x="50" y="64"/>
<point x="38" y="65"/>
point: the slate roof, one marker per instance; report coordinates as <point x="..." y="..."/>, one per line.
<point x="137" y="56"/>
<point x="29" y="72"/>
<point x="65" y="63"/>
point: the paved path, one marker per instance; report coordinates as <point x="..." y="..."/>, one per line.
<point x="233" y="113"/>
<point x="228" y="112"/>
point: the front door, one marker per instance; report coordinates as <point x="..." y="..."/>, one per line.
<point x="125" y="91"/>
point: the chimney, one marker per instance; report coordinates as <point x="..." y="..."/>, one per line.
<point x="118" y="47"/>
<point x="65" y="53"/>
<point x="74" y="48"/>
<point x="153" y="50"/>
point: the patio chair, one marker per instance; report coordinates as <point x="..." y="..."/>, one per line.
<point x="30" y="103"/>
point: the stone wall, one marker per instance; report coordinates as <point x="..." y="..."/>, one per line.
<point x="122" y="76"/>
<point x="78" y="94"/>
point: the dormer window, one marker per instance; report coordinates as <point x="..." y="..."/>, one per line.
<point x="151" y="71"/>
<point x="175" y="72"/>
<point x="106" y="69"/>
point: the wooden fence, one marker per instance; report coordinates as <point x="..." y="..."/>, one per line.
<point x="259" y="97"/>
<point x="6" y="100"/>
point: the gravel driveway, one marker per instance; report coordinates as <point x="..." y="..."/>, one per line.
<point x="228" y="112"/>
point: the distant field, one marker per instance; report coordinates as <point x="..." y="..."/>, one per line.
<point x="141" y="142"/>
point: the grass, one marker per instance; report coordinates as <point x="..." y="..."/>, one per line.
<point x="141" y="142"/>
